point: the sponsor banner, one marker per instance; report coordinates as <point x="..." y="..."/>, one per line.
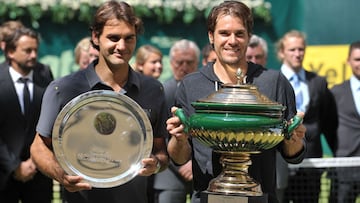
<point x="329" y="61"/>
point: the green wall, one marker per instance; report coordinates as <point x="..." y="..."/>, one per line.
<point x="324" y="22"/>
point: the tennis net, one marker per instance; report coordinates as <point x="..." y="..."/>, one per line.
<point x="335" y="173"/>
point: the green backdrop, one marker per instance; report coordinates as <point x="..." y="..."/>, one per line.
<point x="323" y="21"/>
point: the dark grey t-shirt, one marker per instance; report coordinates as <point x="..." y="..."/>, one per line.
<point x="144" y="90"/>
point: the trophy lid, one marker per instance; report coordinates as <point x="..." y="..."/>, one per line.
<point x="238" y="94"/>
<point x="239" y="97"/>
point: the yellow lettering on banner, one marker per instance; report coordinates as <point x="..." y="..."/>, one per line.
<point x="329" y="61"/>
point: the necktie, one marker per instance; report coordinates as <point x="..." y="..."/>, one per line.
<point x="26" y="97"/>
<point x="295" y="81"/>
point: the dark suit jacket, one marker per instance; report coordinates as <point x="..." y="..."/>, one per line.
<point x="348" y="131"/>
<point x="349" y="121"/>
<point x="16" y="135"/>
<point x="320" y="116"/>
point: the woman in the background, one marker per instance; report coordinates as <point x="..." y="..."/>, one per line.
<point x="85" y="53"/>
<point x="148" y="61"/>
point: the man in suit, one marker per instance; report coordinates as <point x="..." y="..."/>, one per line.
<point x="315" y="99"/>
<point x="347" y="97"/>
<point x="175" y="183"/>
<point x="19" y="179"/>
<point x="184" y="59"/>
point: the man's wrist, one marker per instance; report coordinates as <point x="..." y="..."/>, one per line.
<point x="158" y="166"/>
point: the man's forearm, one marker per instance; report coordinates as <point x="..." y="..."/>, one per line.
<point x="45" y="159"/>
<point x="179" y="151"/>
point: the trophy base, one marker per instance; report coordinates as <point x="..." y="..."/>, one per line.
<point x="234" y="178"/>
<point x="209" y="197"/>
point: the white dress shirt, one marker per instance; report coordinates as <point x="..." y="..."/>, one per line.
<point x="303" y="87"/>
<point x="355" y="90"/>
<point x="19" y="86"/>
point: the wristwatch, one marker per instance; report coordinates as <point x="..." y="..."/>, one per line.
<point x="158" y="166"/>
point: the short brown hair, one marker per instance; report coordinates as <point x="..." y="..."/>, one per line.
<point x="233" y="8"/>
<point x="12" y="41"/>
<point x="118" y="10"/>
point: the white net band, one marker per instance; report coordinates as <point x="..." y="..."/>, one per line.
<point x="328" y="162"/>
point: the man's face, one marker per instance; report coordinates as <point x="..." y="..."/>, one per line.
<point x="354" y="62"/>
<point x="117" y="42"/>
<point x="256" y="55"/>
<point x="293" y="52"/>
<point x="230" y="39"/>
<point x="183" y="63"/>
<point x="25" y="54"/>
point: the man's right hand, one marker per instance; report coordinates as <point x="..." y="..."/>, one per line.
<point x="178" y="147"/>
<point x="74" y="183"/>
<point x="175" y="127"/>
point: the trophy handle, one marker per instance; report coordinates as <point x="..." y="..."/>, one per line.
<point x="181" y="114"/>
<point x="296" y="121"/>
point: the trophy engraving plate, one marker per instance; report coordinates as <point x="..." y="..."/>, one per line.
<point x="102" y="136"/>
<point x="209" y="197"/>
<point x="226" y="199"/>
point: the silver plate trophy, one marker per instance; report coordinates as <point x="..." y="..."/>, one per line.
<point x="102" y="136"/>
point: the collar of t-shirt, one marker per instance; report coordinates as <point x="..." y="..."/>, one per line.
<point x="94" y="79"/>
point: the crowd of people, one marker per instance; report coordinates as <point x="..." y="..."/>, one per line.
<point x="179" y="167"/>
